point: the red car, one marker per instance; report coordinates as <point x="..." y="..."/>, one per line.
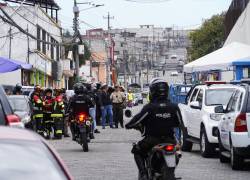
<point x="25" y="155"/>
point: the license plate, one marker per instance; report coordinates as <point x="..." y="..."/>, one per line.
<point x="170" y="160"/>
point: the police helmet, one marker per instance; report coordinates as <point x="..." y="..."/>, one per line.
<point x="79" y="88"/>
<point x="158" y="88"/>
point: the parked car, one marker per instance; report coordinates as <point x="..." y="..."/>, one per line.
<point x="7" y="116"/>
<point x="27" y="156"/>
<point x="199" y="118"/>
<point x="22" y="107"/>
<point x="178" y="93"/>
<point x="138" y="98"/>
<point x="27" y="90"/>
<point x="234" y="128"/>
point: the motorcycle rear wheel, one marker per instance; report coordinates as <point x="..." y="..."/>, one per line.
<point x="167" y="173"/>
<point x="84" y="140"/>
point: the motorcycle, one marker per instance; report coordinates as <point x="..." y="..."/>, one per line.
<point x="82" y="124"/>
<point x="162" y="160"/>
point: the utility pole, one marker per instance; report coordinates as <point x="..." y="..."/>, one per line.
<point x="28" y="44"/>
<point x="76" y="33"/>
<point x="109" y="18"/>
<point x="10" y="34"/>
<point x="110" y="49"/>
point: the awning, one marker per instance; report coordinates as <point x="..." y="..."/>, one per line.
<point x="9" y="65"/>
<point x="221" y="59"/>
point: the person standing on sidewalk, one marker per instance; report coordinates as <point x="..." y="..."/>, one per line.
<point x="106" y="107"/>
<point x="92" y="110"/>
<point x="118" y="98"/>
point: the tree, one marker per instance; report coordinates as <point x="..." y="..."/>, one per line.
<point x="208" y="38"/>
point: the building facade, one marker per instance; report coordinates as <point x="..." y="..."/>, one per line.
<point x="42" y="50"/>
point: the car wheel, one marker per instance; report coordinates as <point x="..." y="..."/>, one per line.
<point x="207" y="149"/>
<point x="223" y="159"/>
<point x="186" y="145"/>
<point x="236" y="160"/>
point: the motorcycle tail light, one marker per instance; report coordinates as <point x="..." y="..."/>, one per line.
<point x="169" y="148"/>
<point x="82" y="117"/>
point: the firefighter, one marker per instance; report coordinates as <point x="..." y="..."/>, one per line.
<point x="58" y="113"/>
<point x="48" y="102"/>
<point x="37" y="103"/>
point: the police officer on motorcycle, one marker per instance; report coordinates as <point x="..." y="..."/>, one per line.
<point x="156" y="121"/>
<point x="80" y="102"/>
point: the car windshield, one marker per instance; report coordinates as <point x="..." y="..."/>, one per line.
<point x="29" y="161"/>
<point x="218" y="96"/>
<point x="19" y="104"/>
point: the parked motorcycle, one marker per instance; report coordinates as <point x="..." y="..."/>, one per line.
<point x="162" y="160"/>
<point x="82" y="125"/>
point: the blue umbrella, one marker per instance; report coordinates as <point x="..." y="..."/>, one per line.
<point x="9" y="65"/>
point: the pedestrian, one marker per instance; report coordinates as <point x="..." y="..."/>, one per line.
<point x="92" y="110"/>
<point x="18" y="89"/>
<point x="118" y="98"/>
<point x="130" y="98"/>
<point x="106" y="107"/>
<point x="97" y="91"/>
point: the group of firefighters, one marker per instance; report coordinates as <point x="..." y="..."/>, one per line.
<point x="49" y="107"/>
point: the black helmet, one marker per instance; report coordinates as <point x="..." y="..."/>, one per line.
<point x="48" y="90"/>
<point x="158" y="88"/>
<point x="17" y="89"/>
<point x="79" y="88"/>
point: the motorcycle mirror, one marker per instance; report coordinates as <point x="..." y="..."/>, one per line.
<point x="128" y="113"/>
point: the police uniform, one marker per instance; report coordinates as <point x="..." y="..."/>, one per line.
<point x="118" y="99"/>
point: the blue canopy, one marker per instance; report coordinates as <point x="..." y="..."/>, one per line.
<point x="9" y="65"/>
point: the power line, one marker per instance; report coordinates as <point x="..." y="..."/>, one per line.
<point x="13" y="23"/>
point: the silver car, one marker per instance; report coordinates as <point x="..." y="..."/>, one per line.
<point x="22" y="107"/>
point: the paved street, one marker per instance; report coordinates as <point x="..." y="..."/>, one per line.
<point x="110" y="159"/>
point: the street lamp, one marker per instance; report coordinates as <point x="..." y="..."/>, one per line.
<point x="93" y="6"/>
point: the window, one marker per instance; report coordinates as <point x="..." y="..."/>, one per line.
<point x="233" y="102"/>
<point x="29" y="161"/>
<point x="52" y="49"/>
<point x="240" y="102"/>
<point x="246" y="72"/>
<point x="44" y="40"/>
<point x="2" y="117"/>
<point x="38" y="37"/>
<point x="194" y="95"/>
<point x="200" y="97"/>
<point x="218" y="96"/>
<point x="57" y="53"/>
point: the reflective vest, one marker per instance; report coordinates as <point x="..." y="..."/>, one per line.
<point x="130" y="96"/>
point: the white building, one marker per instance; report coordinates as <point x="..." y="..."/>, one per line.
<point x="43" y="51"/>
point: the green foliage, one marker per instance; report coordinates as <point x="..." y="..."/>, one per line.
<point x="208" y="38"/>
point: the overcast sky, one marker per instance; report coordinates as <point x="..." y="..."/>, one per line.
<point x="181" y="13"/>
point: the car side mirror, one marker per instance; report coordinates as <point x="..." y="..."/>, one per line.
<point x="219" y="109"/>
<point x="128" y="113"/>
<point x="195" y="105"/>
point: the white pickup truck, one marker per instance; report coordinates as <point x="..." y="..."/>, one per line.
<point x="199" y="118"/>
